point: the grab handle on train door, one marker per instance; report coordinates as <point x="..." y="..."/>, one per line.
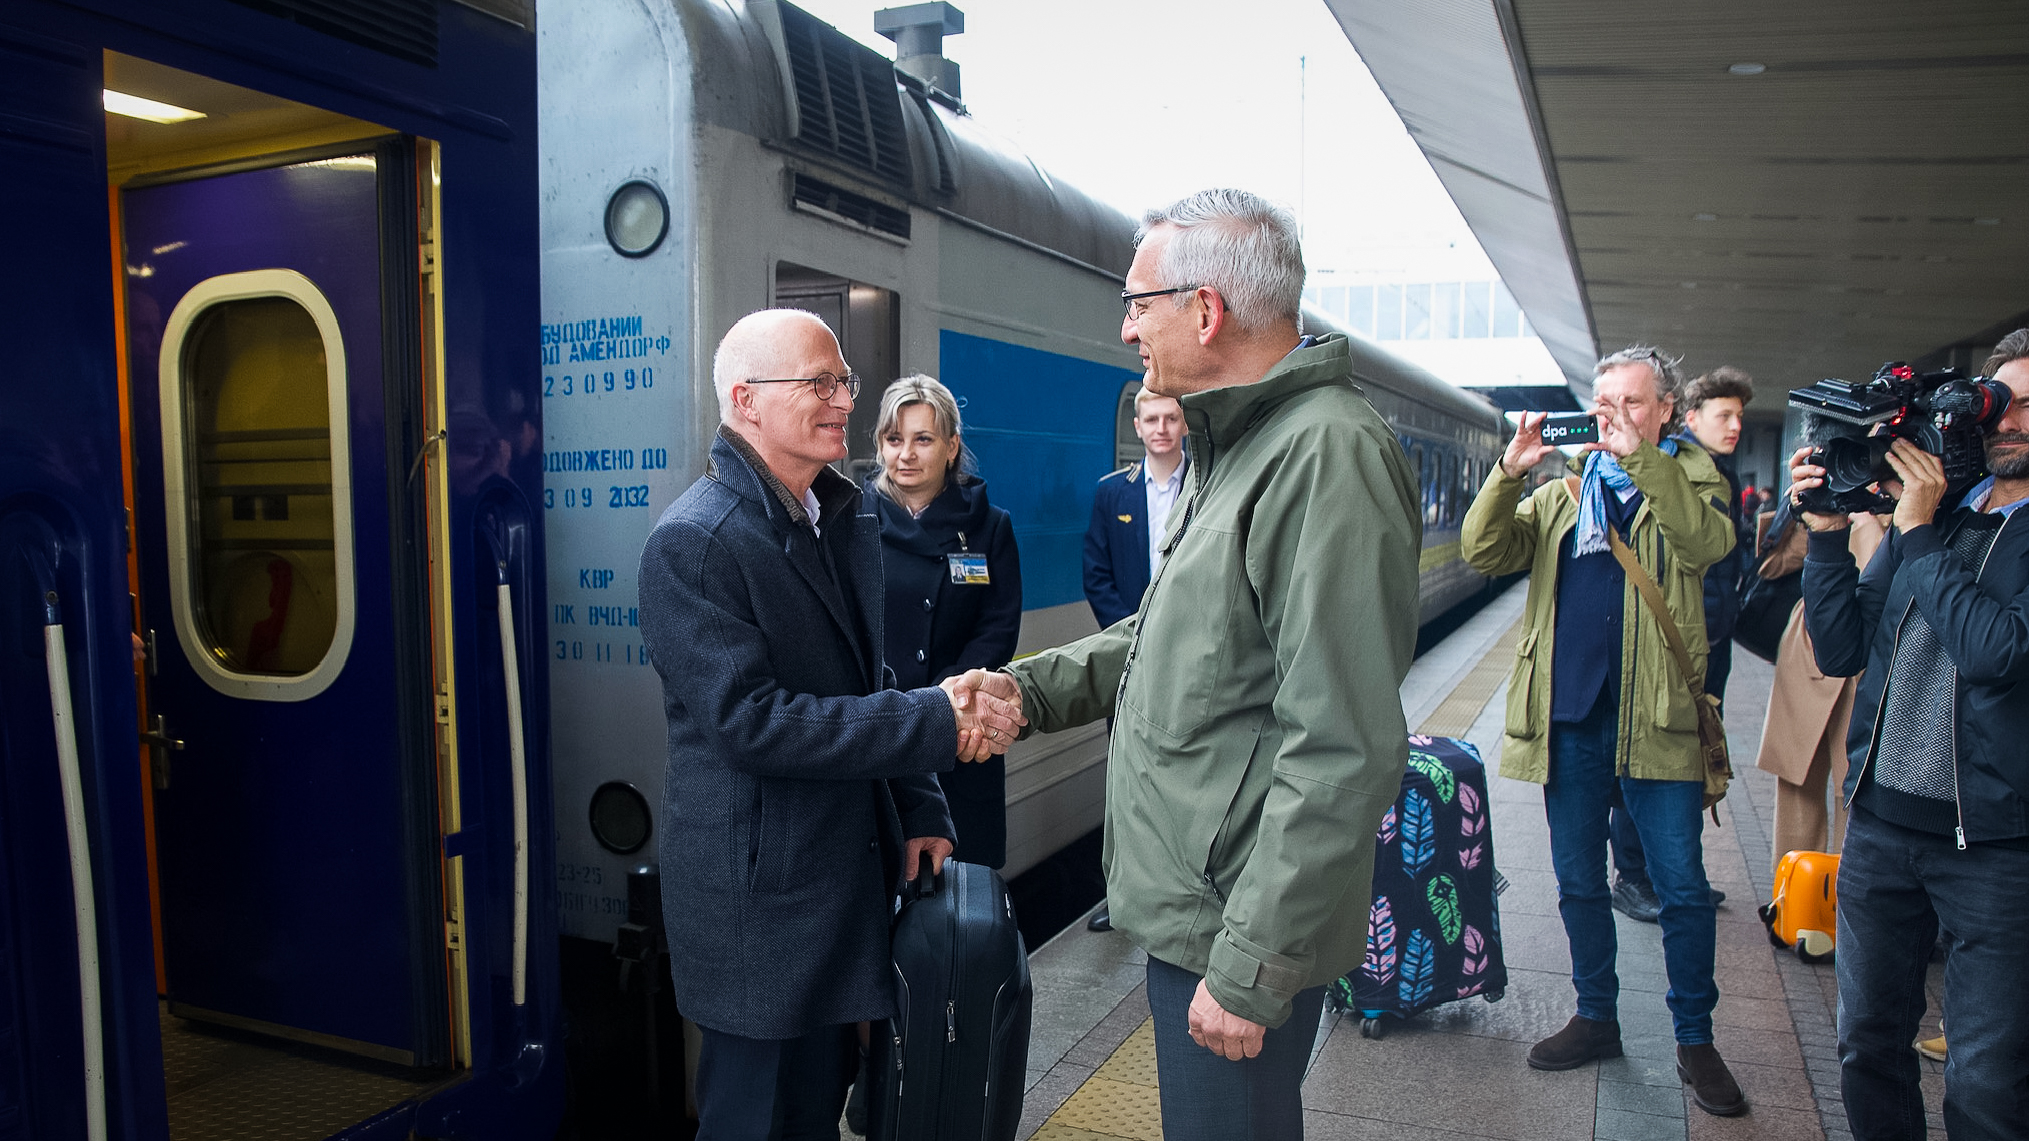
<point x="517" y="756"/>
<point x="84" y="898"/>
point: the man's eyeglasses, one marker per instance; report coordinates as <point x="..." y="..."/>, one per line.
<point x="1137" y="303"/>
<point x="824" y="384"/>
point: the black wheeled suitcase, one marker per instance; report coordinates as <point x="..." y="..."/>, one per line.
<point x="950" y="1067"/>
<point x="1434" y="928"/>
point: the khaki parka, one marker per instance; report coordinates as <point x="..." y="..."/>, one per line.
<point x="1677" y="533"/>
<point x="1259" y="736"/>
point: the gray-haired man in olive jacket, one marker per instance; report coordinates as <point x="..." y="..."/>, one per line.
<point x="1258" y="738"/>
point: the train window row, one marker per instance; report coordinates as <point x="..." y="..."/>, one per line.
<point x="1448" y="478"/>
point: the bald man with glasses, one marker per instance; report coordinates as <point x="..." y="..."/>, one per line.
<point x="798" y="791"/>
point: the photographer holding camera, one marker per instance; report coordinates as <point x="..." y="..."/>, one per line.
<point x="1598" y="707"/>
<point x="1939" y="776"/>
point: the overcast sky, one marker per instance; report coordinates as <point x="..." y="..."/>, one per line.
<point x="1140" y="102"/>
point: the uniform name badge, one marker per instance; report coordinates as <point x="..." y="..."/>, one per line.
<point x="968" y="569"/>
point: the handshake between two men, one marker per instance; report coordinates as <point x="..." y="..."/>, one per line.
<point x="988" y="706"/>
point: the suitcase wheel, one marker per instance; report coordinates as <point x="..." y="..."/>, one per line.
<point x="1496" y="994"/>
<point x="1373" y="1028"/>
<point x="1815" y="947"/>
<point x="1767" y="911"/>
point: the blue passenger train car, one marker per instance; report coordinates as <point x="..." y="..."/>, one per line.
<point x="274" y="740"/>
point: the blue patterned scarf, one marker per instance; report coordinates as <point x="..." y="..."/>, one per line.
<point x="1602" y="471"/>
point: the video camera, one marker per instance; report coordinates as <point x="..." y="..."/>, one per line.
<point x="1944" y="412"/>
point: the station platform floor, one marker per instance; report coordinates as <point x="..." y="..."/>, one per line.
<point x="1458" y="1071"/>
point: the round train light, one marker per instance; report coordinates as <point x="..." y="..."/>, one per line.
<point x="637" y="218"/>
<point x="620" y="819"/>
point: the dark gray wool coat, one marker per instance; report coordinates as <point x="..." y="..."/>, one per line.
<point x="795" y="771"/>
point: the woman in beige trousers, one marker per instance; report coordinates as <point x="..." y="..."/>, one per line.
<point x="1803" y="742"/>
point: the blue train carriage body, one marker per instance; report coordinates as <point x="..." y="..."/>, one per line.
<point x="928" y="244"/>
<point x="285" y="337"/>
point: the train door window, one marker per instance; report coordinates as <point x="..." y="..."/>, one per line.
<point x="868" y="322"/>
<point x="1450" y="485"/>
<point x="1420" y="460"/>
<point x="1431" y="487"/>
<point x="1440" y="475"/>
<point x="1127" y="447"/>
<point x="259" y="517"/>
<point x="1435" y="515"/>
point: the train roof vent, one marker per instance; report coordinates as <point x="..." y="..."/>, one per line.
<point x="815" y="196"/>
<point x="405" y="29"/>
<point x="918" y="31"/>
<point x="846" y="101"/>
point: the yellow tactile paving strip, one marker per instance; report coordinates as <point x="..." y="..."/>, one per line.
<point x="1454" y="716"/>
<point x="1119" y="1100"/>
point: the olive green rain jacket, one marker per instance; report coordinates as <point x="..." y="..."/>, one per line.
<point x="1259" y="737"/>
<point x="1677" y="533"/>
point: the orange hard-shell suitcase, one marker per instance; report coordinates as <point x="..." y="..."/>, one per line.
<point x="1803" y="912"/>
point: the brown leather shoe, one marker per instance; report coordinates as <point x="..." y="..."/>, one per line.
<point x="1582" y="1040"/>
<point x="1712" y="1084"/>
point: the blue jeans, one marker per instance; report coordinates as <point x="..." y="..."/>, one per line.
<point x="1207" y="1098"/>
<point x="1629" y="861"/>
<point x="1896" y="885"/>
<point x="1669" y="815"/>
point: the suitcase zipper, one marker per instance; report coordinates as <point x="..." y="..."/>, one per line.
<point x="943" y="1112"/>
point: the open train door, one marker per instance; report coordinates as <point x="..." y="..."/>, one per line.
<point x="295" y="794"/>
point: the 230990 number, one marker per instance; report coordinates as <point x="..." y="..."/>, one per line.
<point x="636" y="496"/>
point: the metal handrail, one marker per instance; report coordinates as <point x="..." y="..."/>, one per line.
<point x="518" y="770"/>
<point x="84" y="898"/>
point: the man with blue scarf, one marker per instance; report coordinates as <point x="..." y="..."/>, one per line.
<point x="1597" y="703"/>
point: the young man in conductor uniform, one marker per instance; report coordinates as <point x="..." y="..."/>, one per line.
<point x="1258" y="736"/>
<point x="1130" y="517"/>
<point x="798" y="787"/>
<point x="1131" y="510"/>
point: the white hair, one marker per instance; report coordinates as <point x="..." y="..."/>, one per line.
<point x="1667" y="370"/>
<point x="1238" y="243"/>
<point x="751" y="350"/>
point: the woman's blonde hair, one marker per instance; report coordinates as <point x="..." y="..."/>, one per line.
<point x="917" y="388"/>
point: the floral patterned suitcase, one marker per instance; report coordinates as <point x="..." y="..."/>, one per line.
<point x="1434" y="929"/>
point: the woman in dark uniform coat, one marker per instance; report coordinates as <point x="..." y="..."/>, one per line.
<point x="954" y="582"/>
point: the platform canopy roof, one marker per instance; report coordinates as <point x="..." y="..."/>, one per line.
<point x="1802" y="189"/>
